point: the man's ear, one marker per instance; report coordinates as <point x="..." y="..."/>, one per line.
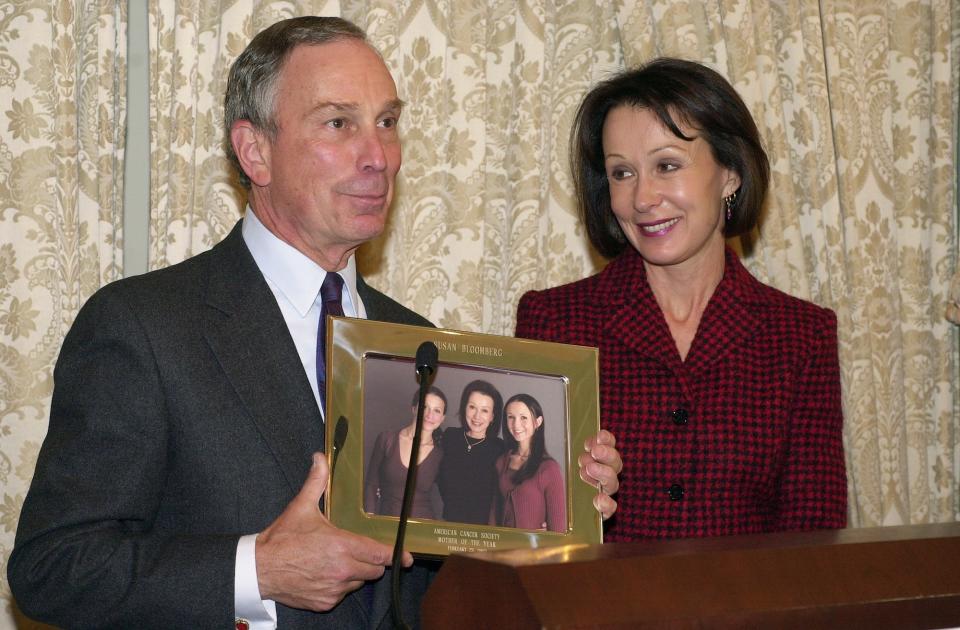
<point x="253" y="151"/>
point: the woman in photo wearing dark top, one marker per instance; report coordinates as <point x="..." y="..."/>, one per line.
<point x="530" y="483"/>
<point x="390" y="460"/>
<point x="724" y="393"/>
<point x="467" y="479"/>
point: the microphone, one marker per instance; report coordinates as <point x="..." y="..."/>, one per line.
<point x="339" y="439"/>
<point x="426" y="366"/>
<point x="426" y="360"/>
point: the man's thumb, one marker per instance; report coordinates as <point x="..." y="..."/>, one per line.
<point x="316" y="483"/>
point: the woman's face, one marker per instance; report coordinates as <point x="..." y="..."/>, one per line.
<point x="521" y="421"/>
<point x="433" y="412"/>
<point x="479" y="414"/>
<point x="666" y="192"/>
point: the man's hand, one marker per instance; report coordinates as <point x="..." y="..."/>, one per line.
<point x="600" y="465"/>
<point x="305" y="562"/>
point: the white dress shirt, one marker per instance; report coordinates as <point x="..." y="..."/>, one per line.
<point x="295" y="282"/>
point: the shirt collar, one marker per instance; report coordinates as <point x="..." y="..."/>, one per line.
<point x="290" y="271"/>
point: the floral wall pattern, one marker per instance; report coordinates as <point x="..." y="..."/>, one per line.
<point x="857" y="102"/>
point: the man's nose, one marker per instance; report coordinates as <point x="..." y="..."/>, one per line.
<point x="372" y="155"/>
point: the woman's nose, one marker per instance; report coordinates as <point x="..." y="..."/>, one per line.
<point x="645" y="195"/>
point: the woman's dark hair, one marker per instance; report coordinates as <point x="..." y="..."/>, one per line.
<point x="485" y="388"/>
<point x="252" y="81"/>
<point x="538" y="446"/>
<point x="676" y="91"/>
<point x="436" y="391"/>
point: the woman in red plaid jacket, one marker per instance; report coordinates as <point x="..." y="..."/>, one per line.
<point x="724" y="393"/>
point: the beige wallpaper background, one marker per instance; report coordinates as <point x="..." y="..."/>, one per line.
<point x="857" y="102"/>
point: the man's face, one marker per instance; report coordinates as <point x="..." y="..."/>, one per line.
<point x="328" y="176"/>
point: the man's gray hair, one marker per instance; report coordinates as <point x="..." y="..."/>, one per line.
<point x="252" y="83"/>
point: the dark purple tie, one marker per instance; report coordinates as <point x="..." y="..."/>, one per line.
<point x="330" y="293"/>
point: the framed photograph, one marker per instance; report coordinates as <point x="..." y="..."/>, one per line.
<point x="505" y="420"/>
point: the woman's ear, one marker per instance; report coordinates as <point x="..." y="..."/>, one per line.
<point x="538" y="422"/>
<point x="732" y="183"/>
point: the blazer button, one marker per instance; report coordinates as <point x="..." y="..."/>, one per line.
<point x="680" y="416"/>
<point x="675" y="492"/>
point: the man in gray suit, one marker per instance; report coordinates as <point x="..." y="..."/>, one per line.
<point x="170" y="489"/>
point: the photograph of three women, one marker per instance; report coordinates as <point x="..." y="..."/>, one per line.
<point x="493" y="446"/>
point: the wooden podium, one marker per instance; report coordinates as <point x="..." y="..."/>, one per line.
<point x="888" y="577"/>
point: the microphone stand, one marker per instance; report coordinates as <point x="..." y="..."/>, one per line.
<point x="426" y="364"/>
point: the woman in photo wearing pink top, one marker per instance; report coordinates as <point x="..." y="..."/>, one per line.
<point x="531" y="489"/>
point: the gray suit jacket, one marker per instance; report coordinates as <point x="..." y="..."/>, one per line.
<point x="181" y="419"/>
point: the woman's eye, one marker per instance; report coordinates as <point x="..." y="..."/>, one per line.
<point x="619" y="174"/>
<point x="667" y="167"/>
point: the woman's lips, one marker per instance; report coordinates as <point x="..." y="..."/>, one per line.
<point x="657" y="229"/>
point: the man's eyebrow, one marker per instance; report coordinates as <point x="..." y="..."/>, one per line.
<point x="349" y="106"/>
<point x="340" y="106"/>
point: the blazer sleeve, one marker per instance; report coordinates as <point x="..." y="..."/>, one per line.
<point x="555" y="497"/>
<point x="371" y="491"/>
<point x="531" y="317"/>
<point x="88" y="551"/>
<point x="496" y="505"/>
<point x="813" y="482"/>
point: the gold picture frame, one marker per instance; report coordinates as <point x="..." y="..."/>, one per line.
<point x="371" y="377"/>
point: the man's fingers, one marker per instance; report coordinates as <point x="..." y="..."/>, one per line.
<point x="606" y="438"/>
<point x="602" y="438"/>
<point x="605" y="505"/>
<point x="594" y="472"/>
<point x="602" y="449"/>
<point x="366" y="551"/>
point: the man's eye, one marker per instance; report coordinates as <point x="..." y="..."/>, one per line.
<point x="337" y="123"/>
<point x="388" y="123"/>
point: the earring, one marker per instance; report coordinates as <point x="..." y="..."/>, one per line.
<point x="728" y="202"/>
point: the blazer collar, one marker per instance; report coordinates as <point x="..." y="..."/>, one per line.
<point x="635" y="317"/>
<point x="246" y="332"/>
<point x="732" y="316"/>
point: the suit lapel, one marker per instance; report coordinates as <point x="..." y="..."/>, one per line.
<point x="246" y="332"/>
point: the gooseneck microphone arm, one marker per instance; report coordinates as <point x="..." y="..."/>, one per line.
<point x="426" y="364"/>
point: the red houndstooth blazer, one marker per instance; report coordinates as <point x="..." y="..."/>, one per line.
<point x="744" y="436"/>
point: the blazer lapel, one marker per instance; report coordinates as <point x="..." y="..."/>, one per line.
<point x="635" y="317"/>
<point x="246" y="331"/>
<point x="732" y="316"/>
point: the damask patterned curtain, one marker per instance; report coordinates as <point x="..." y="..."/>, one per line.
<point x="857" y="103"/>
<point x="62" y="111"/>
